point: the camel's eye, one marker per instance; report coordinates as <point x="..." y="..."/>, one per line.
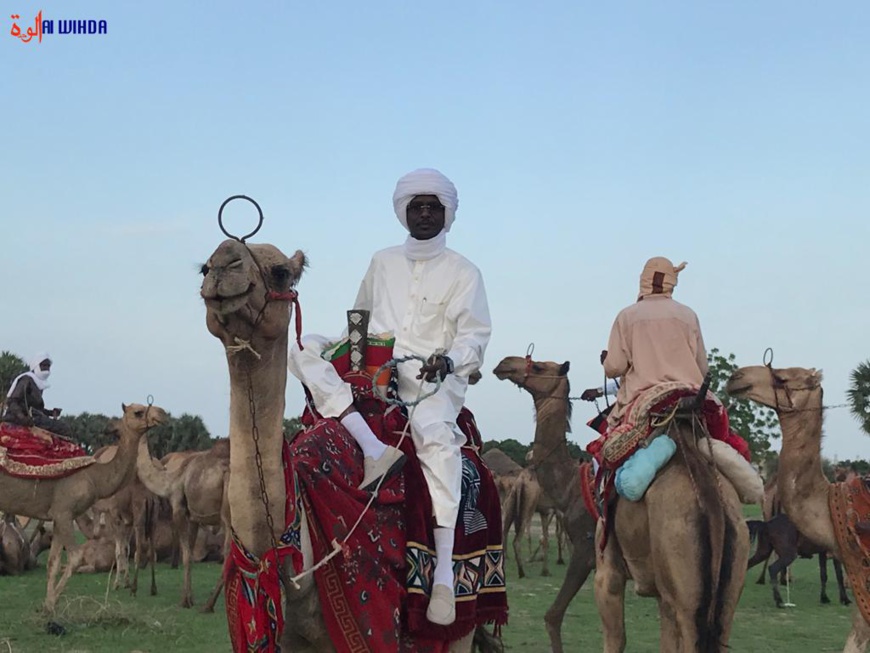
<point x="204" y="269"/>
<point x="537" y="368"/>
<point x="280" y="274"/>
<point x="235" y="264"/>
<point x="139" y="413"/>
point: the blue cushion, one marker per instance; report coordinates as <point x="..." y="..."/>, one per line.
<point x="638" y="472"/>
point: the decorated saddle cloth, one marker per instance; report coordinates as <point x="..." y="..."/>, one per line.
<point x="374" y="594"/>
<point x="849" y="503"/>
<point x="642" y="422"/>
<point x="32" y="452"/>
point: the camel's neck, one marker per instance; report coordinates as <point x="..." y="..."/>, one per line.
<point x="156" y="479"/>
<point x="550" y="454"/>
<point x="256" y="420"/>
<point x="803" y="488"/>
<point x="110" y="476"/>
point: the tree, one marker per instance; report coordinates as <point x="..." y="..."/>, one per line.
<point x="90" y="430"/>
<point x="185" y="433"/>
<point x="859" y="394"/>
<point x="754" y="423"/>
<point x="10" y="367"/>
<point x="292" y="426"/>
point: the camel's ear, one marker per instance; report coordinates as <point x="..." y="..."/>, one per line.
<point x="298" y="262"/>
<point x="565" y="367"/>
<point x="123" y="407"/>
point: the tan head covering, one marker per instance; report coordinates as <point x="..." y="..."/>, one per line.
<point x="659" y="277"/>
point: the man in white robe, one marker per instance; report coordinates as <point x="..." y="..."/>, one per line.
<point x="434" y="302"/>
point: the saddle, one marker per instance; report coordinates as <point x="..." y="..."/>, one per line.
<point x="32" y="452"/>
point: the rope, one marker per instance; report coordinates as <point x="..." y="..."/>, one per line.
<point x="242" y="345"/>
<point x="339" y="547"/>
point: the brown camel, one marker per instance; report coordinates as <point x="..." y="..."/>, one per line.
<point x="796" y="395"/>
<point x="62" y="500"/>
<point x="504" y="471"/>
<point x="557" y="473"/>
<point x="16" y="555"/>
<point x="195" y="485"/>
<point x="685" y="542"/>
<point x="254" y="331"/>
<point x="526" y="498"/>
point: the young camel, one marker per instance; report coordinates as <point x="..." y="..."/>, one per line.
<point x="795" y="394"/>
<point x="62" y="500"/>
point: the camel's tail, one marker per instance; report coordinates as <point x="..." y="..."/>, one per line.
<point x="716" y="539"/>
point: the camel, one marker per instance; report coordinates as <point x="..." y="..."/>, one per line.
<point x="245" y="289"/>
<point x="557" y="473"/>
<point x="795" y="394"/>
<point x="195" y="484"/>
<point x="780" y="535"/>
<point x="684" y="543"/>
<point x="504" y="471"/>
<point x="62" y="500"/>
<point x="526" y="498"/>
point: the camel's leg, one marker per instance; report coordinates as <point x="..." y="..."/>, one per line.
<point x="560" y="537"/>
<point x="137" y="559"/>
<point x="838" y="572"/>
<point x="579" y="565"/>
<point x="545" y="542"/>
<point x="54" y="559"/>
<point x="823" y="577"/>
<point x="186" y="530"/>
<point x="669" y="634"/>
<point x="152" y="553"/>
<point x="209" y="605"/>
<point x="859" y="636"/>
<point x="610" y="579"/>
<point x="762" y="578"/>
<point x="781" y="565"/>
<point x="63" y="532"/>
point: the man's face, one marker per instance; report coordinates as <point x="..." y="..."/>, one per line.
<point x="425" y="215"/>
<point x="45" y="365"/>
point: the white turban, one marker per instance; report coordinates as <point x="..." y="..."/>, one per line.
<point x="425" y="181"/>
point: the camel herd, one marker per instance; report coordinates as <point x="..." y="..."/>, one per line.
<point x="685" y="544"/>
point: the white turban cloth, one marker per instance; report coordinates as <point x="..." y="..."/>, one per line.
<point x="425" y="181"/>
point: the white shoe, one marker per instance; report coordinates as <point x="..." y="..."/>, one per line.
<point x="442" y="606"/>
<point x="390" y="462"/>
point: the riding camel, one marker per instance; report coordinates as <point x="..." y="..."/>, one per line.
<point x="684" y="543"/>
<point x="239" y="288"/>
<point x="62" y="500"/>
<point x="557" y="473"/>
<point x="796" y="395"/>
<point x="195" y="484"/>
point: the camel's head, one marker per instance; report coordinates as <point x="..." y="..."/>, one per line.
<point x="538" y="379"/>
<point x="139" y="418"/>
<point x="784" y="390"/>
<point x="247" y="290"/>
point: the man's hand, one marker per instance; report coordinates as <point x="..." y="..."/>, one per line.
<point x="437" y="365"/>
<point x="603" y="355"/>
<point x="591" y="394"/>
<point x="55" y="412"/>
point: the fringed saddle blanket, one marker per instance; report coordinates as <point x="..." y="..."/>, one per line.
<point x="849" y="503"/>
<point x="619" y="443"/>
<point x="374" y="595"/>
<point x="31" y="452"/>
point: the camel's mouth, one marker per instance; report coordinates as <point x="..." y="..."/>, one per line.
<point x="503" y="372"/>
<point x="735" y="389"/>
<point x="227" y="305"/>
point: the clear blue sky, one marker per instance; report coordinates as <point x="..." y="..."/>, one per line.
<point x="583" y="139"/>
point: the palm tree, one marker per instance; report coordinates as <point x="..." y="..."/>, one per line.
<point x="859" y="394"/>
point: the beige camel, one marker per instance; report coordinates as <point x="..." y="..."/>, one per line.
<point x="62" y="500"/>
<point x="671" y="543"/>
<point x="504" y="471"/>
<point x="548" y="385"/>
<point x="253" y="327"/>
<point x="796" y="395"/>
<point x="16" y="556"/>
<point x="527" y="497"/>
<point x="195" y="484"/>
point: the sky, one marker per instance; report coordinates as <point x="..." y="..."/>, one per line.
<point x="583" y="139"/>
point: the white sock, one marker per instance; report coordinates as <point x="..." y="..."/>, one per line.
<point x="363" y="435"/>
<point x="444" y="552"/>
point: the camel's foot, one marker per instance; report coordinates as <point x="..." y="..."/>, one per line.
<point x="208" y="608"/>
<point x="154" y="590"/>
<point x="824" y="599"/>
<point x="845" y="601"/>
<point x="545" y="572"/>
<point x="186" y="602"/>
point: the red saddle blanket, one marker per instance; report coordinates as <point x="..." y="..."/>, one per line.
<point x="31" y="452"/>
<point x="849" y="503"/>
<point x="375" y="594"/>
<point x="620" y="442"/>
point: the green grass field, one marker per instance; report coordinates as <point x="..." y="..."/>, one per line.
<point x="120" y="623"/>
